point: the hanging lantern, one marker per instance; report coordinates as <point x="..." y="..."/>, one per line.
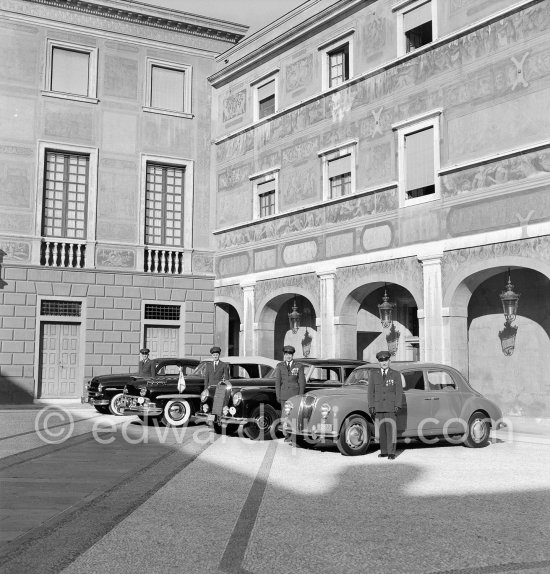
<point x="386" y="309"/>
<point x="508" y="338"/>
<point x="294" y="318"/>
<point x="306" y="344"/>
<point x="509" y="299"/>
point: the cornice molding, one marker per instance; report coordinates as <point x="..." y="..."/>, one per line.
<point x="146" y="15"/>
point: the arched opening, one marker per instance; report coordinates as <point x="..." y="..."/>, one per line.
<point x="228" y="329"/>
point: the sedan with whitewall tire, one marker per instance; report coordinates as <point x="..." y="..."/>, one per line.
<point x="438" y="402"/>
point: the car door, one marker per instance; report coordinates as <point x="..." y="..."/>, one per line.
<point x="415" y="416"/>
<point x="445" y="400"/>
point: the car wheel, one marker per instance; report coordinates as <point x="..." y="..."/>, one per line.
<point x="479" y="429"/>
<point x="114" y="405"/>
<point x="263" y="426"/>
<point x="355" y="436"/>
<point x="103" y="409"/>
<point x="176" y="413"/>
<point x="218" y="429"/>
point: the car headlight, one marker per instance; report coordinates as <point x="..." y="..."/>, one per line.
<point x="205" y="408"/>
<point x="204" y="396"/>
<point x="225" y="410"/>
<point x="287" y="408"/>
<point x="325" y="410"/>
<point x="99" y="387"/>
<point x="237" y="398"/>
<point x="232" y="411"/>
<point x="125" y="390"/>
<point x="88" y="385"/>
<point x="142" y="392"/>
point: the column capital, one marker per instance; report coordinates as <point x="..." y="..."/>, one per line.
<point x="430" y="258"/>
<point x="248" y="285"/>
<point x="327" y="274"/>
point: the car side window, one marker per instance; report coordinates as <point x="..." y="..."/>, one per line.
<point x="440" y="381"/>
<point x="160" y="371"/>
<point x="414" y="380"/>
<point x="242" y="372"/>
<point x="171" y="370"/>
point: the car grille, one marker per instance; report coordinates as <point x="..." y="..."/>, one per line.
<point x="221" y="398"/>
<point x="305" y="410"/>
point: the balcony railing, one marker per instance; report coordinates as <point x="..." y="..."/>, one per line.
<point x="163" y="261"/>
<point x="63" y="253"/>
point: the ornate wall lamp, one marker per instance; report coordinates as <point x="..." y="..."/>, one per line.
<point x="509" y="299"/>
<point x="386" y="310"/>
<point x="294" y="318"/>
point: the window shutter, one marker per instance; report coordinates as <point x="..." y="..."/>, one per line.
<point x="70" y="71"/>
<point x="417" y="17"/>
<point x="167" y="89"/>
<point x="266" y="91"/>
<point x="419" y="152"/>
<point x="266" y="186"/>
<point x="339" y="166"/>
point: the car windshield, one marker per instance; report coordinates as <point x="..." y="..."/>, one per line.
<point x="358" y="377"/>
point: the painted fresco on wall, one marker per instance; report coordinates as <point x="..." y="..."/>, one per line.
<point x="302" y="149"/>
<point x="374" y="38"/>
<point x="517" y="168"/>
<point x="498" y="213"/>
<point x="268" y="160"/>
<point x="299" y="74"/>
<point x="111" y="257"/>
<point x="15" y="184"/>
<point x="15" y="250"/>
<point x="235" y="147"/>
<point x="292" y="122"/>
<point x="307" y="282"/>
<point x="234" y="207"/>
<point x="233" y="265"/>
<point x="302" y="252"/>
<point x="234" y="176"/>
<point x="16" y="222"/>
<point x="20" y="56"/>
<point x="298" y="187"/>
<point x="233" y="106"/>
<point x="120" y="77"/>
<point x="203" y="263"/>
<point x="265" y="259"/>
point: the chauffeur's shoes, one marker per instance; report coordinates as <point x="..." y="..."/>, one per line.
<point x="391" y="456"/>
<point x="382" y="455"/>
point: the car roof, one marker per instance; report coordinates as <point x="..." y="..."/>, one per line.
<point x="181" y="359"/>
<point x="249" y="360"/>
<point x="403" y="365"/>
<point x="351" y="362"/>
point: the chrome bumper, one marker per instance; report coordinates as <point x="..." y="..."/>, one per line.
<point x="95" y="402"/>
<point x="145" y="411"/>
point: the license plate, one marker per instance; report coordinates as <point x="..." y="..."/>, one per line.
<point x="324" y="427"/>
<point x="210" y="418"/>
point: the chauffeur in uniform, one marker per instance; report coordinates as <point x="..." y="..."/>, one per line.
<point x="216" y="370"/>
<point x="385" y="396"/>
<point x="289" y="376"/>
<point x="146" y="366"/>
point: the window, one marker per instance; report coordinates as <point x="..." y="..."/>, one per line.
<point x="162" y="312"/>
<point x="414" y="380"/>
<point x="168" y="88"/>
<point x="265" y="95"/>
<point x="65" y="195"/>
<point x="416" y="25"/>
<point x="338" y="66"/>
<point x="164" y="205"/>
<point x="71" y="71"/>
<point x="440" y="381"/>
<point x="338" y="167"/>
<point x="265" y="185"/>
<point x="337" y="60"/>
<point x="418" y="149"/>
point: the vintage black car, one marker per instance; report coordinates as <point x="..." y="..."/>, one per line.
<point x="159" y="398"/>
<point x="253" y="404"/>
<point x="105" y="392"/>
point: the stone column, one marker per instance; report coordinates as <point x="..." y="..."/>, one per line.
<point x="247" y="338"/>
<point x="327" y="346"/>
<point x="433" y="343"/>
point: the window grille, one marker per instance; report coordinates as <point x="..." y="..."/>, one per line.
<point x="338" y="62"/>
<point x="61" y="308"/>
<point x="162" y="312"/>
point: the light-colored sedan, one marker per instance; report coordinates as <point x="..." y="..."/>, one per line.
<point x="438" y="402"/>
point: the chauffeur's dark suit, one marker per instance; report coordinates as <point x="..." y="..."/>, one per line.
<point x="385" y="395"/>
<point x="289" y="381"/>
<point x="213" y="375"/>
<point x="146" y="368"/>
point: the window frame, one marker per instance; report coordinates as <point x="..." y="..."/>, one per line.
<point x="187" y="201"/>
<point x="404" y="8"/>
<point x="91" y="209"/>
<point x="258" y="179"/>
<point x="331" y="154"/>
<point x="403" y="129"/>
<point x="330" y="47"/>
<point x="272" y="76"/>
<point x="187" y="87"/>
<point x="91" y="96"/>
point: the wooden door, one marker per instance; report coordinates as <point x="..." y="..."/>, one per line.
<point x="162" y="341"/>
<point x="59" y="360"/>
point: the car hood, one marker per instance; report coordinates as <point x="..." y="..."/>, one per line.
<point x="117" y="380"/>
<point x="346" y="391"/>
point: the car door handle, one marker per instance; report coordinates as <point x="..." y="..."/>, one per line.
<point x="428" y="398"/>
<point x="435" y="398"/>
